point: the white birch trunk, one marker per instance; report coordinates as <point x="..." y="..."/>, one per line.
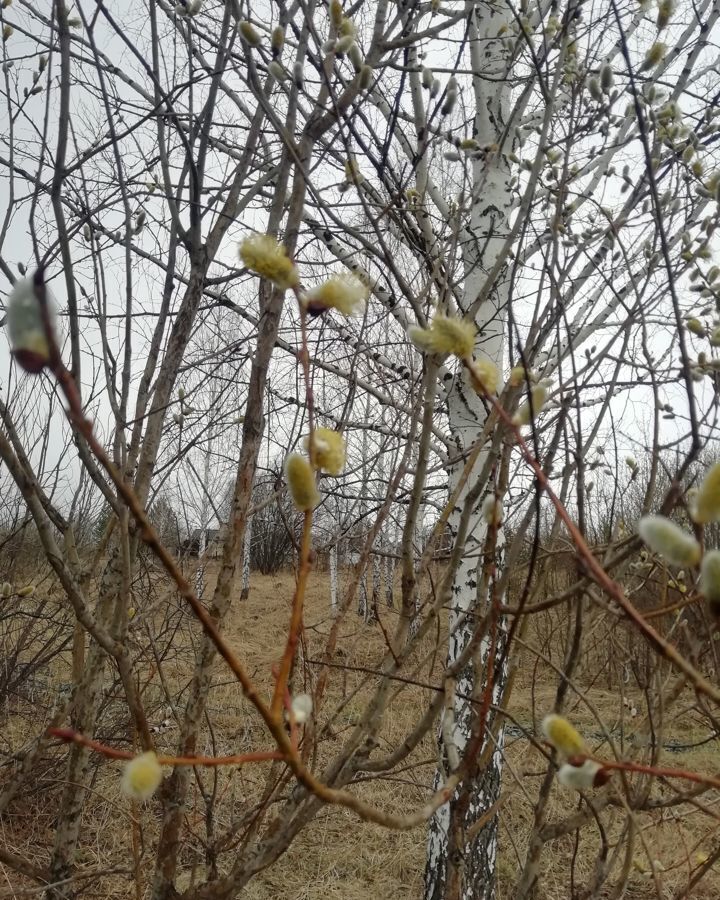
<point x="245" y="591"/>
<point x="454" y="868"/>
<point x="375" y="581"/>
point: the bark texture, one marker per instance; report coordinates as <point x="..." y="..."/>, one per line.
<point x="461" y="858"/>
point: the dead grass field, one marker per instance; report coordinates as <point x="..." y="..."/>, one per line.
<point x="338" y="856"/>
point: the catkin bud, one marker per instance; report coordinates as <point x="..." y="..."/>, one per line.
<point x="301" y="481"/>
<point x="710" y="579"/>
<point x="276" y="70"/>
<point x="25" y="323"/>
<point x="525" y="413"/>
<point x="345" y="293"/>
<point x="355" y="56"/>
<point x="606" y="77"/>
<point x="563" y="736"/>
<point x="366" y="74"/>
<point x="706" y="507"/>
<point x="328" y="450"/>
<point x="347" y="28"/>
<point x="594" y="88"/>
<point x="427" y="78"/>
<point x="336" y="13"/>
<point x="6" y="589"/>
<point x="669" y="540"/>
<point x="696" y="327"/>
<point x="301" y="707"/>
<point x="142" y="776"/>
<point x="26" y="591"/>
<point x="485" y="376"/>
<point x="262" y="254"/>
<point x="450" y="97"/>
<point x="492" y="511"/>
<point x="654" y="56"/>
<point x="581" y="778"/>
<point x="344" y="44"/>
<point x="298" y="75"/>
<point x="277" y="40"/>
<point x="665" y="10"/>
<point x="445" y="335"/>
<point x="249" y="34"/>
<point x="517" y="376"/>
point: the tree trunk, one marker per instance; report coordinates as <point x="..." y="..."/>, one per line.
<point x="84" y="713"/>
<point x="245" y="592"/>
<point x="459" y="866"/>
<point x="333" y="577"/>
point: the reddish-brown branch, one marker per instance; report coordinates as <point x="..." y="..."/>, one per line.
<point x="71" y="736"/>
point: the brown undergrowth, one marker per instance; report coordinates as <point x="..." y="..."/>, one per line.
<point x="337" y="856"/>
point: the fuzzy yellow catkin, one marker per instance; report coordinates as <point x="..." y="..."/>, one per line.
<point x="445" y="335"/>
<point x="710" y="579"/>
<point x="301" y="481"/>
<point x="562" y="735"/>
<point x="667" y="539"/>
<point x="142" y="776"/>
<point x="277" y="39"/>
<point x="344" y="44"/>
<point x="6" y="589"/>
<point x="336" y="13"/>
<point x="347" y="28"/>
<point x="524" y="414"/>
<point x="517" y="376"/>
<point x="26" y="591"/>
<point x="654" y="56"/>
<point x="345" y="293"/>
<point x="492" y="511"/>
<point x="706" y="505"/>
<point x="665" y="10"/>
<point x="579" y="778"/>
<point x="696" y="327"/>
<point x="262" y="254"/>
<point x="276" y="70"/>
<point x="365" y="77"/>
<point x="328" y="450"/>
<point x="485" y="375"/>
<point x="247" y="30"/>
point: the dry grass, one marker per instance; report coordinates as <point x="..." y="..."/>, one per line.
<point x="337" y="856"/>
